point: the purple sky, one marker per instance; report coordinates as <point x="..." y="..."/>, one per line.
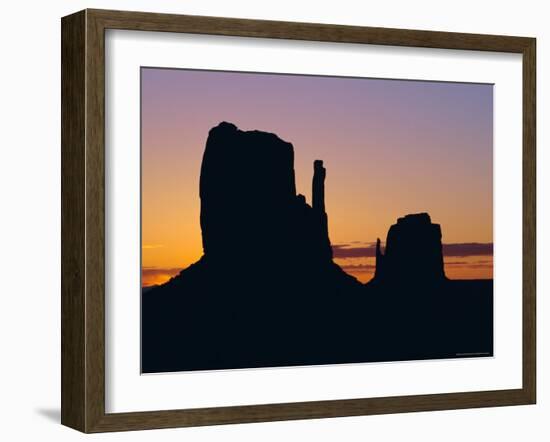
<point x="391" y="147"/>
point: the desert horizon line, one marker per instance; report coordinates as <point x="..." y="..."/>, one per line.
<point x="346" y="256"/>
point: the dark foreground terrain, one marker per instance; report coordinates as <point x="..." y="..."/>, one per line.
<point x="275" y="326"/>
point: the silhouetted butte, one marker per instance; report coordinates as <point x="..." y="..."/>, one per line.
<point x="413" y="252"/>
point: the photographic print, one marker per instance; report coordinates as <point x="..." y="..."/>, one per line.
<point x="298" y="220"/>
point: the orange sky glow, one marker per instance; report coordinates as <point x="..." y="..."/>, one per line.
<point x="390" y="148"/>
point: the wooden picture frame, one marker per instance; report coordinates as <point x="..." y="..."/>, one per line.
<point x="83" y="220"/>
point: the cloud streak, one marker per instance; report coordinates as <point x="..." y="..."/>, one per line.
<point x="345" y="251"/>
<point x="468" y="249"/>
<point x="157" y="275"/>
<point x="154" y="271"/>
<point x="358" y="267"/>
<point x="458" y="250"/>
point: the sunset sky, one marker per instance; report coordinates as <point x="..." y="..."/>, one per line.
<point x="390" y="147"/>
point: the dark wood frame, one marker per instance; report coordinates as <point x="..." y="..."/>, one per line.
<point x="83" y="216"/>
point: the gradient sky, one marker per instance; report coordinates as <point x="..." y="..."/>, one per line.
<point x="391" y="147"/>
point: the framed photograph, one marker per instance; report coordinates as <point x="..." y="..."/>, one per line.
<point x="269" y="220"/>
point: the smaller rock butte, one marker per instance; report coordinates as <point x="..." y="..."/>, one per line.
<point x="413" y="252"/>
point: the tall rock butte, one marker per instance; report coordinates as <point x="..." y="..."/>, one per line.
<point x="413" y="253"/>
<point x="251" y="214"/>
